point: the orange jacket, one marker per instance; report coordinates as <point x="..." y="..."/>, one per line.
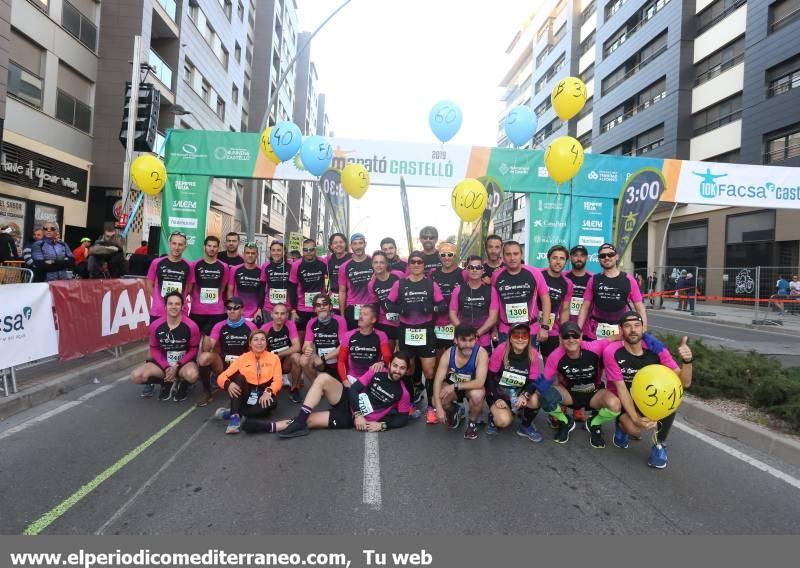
<point x="247" y="365"/>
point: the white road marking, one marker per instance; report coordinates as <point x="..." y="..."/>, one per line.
<point x="758" y="464"/>
<point x="56" y="411"/>
<point x="684" y="332"/>
<point x="372" y="471"/>
<point x="150" y="481"/>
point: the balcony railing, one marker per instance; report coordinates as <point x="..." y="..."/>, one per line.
<point x="634" y="70"/>
<point x="606" y="126"/>
<point x="718" y="70"/>
<point x="714" y="21"/>
<point x="784" y="84"/>
<point x="782" y="154"/>
<point x="170" y="7"/>
<point x="721" y="121"/>
<point x="161" y="70"/>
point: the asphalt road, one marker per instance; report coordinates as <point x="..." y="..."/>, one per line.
<point x="92" y="462"/>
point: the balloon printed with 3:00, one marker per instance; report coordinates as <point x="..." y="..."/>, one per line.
<point x="469" y="199"/>
<point x="149" y="174"/>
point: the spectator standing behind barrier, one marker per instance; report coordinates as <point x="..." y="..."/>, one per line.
<point x="691" y="291"/>
<point x="8" y="246"/>
<point x="52" y="256"/>
<point x="794" y="293"/>
<point x="141" y="249"/>
<point x="109" y="249"/>
<point x="81" y="254"/>
<point x="680" y="284"/>
<point x="652" y="286"/>
<point x="27" y="255"/>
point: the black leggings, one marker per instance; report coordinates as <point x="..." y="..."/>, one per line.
<point x="664" y="426"/>
<point x="239" y="404"/>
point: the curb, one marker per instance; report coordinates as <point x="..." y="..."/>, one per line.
<point x="778" y="446"/>
<point x="44" y="392"/>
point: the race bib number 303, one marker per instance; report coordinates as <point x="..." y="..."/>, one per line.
<point x="517" y="313"/>
<point x="209" y="295"/>
<point x="575" y="306"/>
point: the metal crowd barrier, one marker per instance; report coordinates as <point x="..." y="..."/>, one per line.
<point x="12" y="274"/>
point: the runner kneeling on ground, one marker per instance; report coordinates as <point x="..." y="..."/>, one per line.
<point x="378" y="401"/>
<point x="253" y="382"/>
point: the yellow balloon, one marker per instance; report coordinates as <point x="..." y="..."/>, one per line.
<point x="563" y="158"/>
<point x="266" y="147"/>
<point x="149" y="174"/>
<point x="355" y="180"/>
<point x="568" y="97"/>
<point x="469" y="199"/>
<point x="657" y="391"/>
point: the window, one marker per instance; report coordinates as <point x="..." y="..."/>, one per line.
<point x="220" y="107"/>
<point x="715" y="13"/>
<point x="613" y="7"/>
<point x="543" y="107"/>
<point x="240" y="12"/>
<point x="223" y="56"/>
<point x="227" y="7"/>
<point x="650" y="140"/>
<point x="73" y="93"/>
<point x="635" y="63"/>
<point x="237" y="53"/>
<point x="748" y="227"/>
<point x="24" y="85"/>
<point x="80" y="26"/>
<point x="718" y="115"/>
<point x="782" y="13"/>
<point x="551" y="72"/>
<point x="235" y="95"/>
<point x="719" y="61"/>
<point x="693" y="234"/>
<point x="43" y="5"/>
<point x="783" y="77"/>
<point x="588" y="75"/>
<point x="188" y="72"/>
<point x="633" y="25"/>
<point x="586" y="140"/>
<point x="586" y="44"/>
<point x="783" y="145"/>
<point x="205" y="91"/>
<point x="588" y="12"/>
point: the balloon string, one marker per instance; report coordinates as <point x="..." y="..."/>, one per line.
<point x="133" y="214"/>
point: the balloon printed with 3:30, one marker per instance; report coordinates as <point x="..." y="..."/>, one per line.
<point x="285" y="140"/>
<point x="316" y="153"/>
<point x="563" y="158"/>
<point x="355" y="180"/>
<point x="568" y="97"/>
<point x="149" y="174"/>
<point x="445" y="120"/>
<point x="469" y="199"/>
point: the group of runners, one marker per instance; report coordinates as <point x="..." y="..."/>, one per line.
<point x="385" y="340"/>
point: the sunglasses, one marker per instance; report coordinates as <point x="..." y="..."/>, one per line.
<point x="322" y="304"/>
<point x="520" y="335"/>
<point x="233" y="308"/>
<point x="49" y="228"/>
<point x="312" y="249"/>
<point x="475" y="267"/>
<point x="605" y="255"/>
<point x="427" y="238"/>
<point x="572" y="335"/>
<point x="446" y="254"/>
<point x="178" y="234"/>
<point x="416" y="262"/>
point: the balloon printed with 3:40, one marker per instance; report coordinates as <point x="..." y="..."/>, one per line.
<point x="355" y="180"/>
<point x="149" y="174"/>
<point x="285" y="140"/>
<point x="657" y="391"/>
<point x="266" y="147"/>
<point x="563" y="158"/>
<point x="520" y="125"/>
<point x="445" y="120"/>
<point x="316" y="153"/>
<point x="469" y="199"/>
<point x="568" y="97"/>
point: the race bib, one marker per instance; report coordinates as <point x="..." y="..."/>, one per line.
<point x="512" y="379"/>
<point x="364" y="405"/>
<point x="575" y="306"/>
<point x="356" y="311"/>
<point x="231" y="358"/>
<point x="416" y="337"/>
<point x="460" y="378"/>
<point x="277" y="296"/>
<point x="209" y="295"/>
<point x="334" y="300"/>
<point x="174" y="357"/>
<point x="551" y="320"/>
<point x="253" y="398"/>
<point x="445" y="332"/>
<point x="168" y="286"/>
<point x="308" y="298"/>
<point x="605" y="330"/>
<point x="281" y="349"/>
<point x="391" y="316"/>
<point x="322" y="351"/>
<point x="517" y="313"/>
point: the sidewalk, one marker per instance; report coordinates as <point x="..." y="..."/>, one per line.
<point x="741" y="316"/>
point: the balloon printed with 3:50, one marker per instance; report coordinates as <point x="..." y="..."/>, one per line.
<point x="469" y="199"/>
<point x="563" y="158"/>
<point x="149" y="174"/>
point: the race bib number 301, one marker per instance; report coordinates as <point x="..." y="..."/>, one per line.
<point x="605" y="330"/>
<point x="517" y="313"/>
<point x="575" y="306"/>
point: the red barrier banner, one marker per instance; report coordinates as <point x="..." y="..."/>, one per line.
<point x="92" y="315"/>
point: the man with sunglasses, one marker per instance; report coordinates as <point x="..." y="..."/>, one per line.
<point x="427" y="238"/>
<point x="608" y="296"/>
<point x="354" y="277"/>
<point x="576" y="369"/>
<point x="174" y="341"/>
<point x="284" y="341"/>
<point x="560" y="290"/>
<point x="622" y="360"/>
<point x="579" y="276"/>
<point x="324" y="334"/>
<point x="395" y="263"/>
<point x="494" y="257"/>
<point x="517" y="287"/>
<point x="230" y="255"/>
<point x="210" y="278"/>
<point x="225" y="343"/>
<point x="248" y="282"/>
<point x="276" y="278"/>
<point x="364" y="348"/>
<point x="52" y="257"/>
<point x="448" y="276"/>
<point x="337" y="246"/>
<point x="306" y="281"/>
<point x="170" y="273"/>
<point x="475" y="303"/>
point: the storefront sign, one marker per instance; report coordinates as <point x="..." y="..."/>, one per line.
<point x="20" y="166"/>
<point x="12" y="213"/>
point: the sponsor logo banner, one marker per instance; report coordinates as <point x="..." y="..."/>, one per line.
<point x="184" y="208"/>
<point x="549" y="225"/>
<point x="93" y="315"/>
<point x="590" y="226"/>
<point x="27" y="330"/>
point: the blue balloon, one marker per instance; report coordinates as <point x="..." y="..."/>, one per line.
<point x="285" y="140"/>
<point x="520" y="125"/>
<point x="316" y="153"/>
<point x="445" y="120"/>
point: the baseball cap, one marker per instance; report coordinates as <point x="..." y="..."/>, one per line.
<point x="357" y="236"/>
<point x="235" y="300"/>
<point x="518" y="326"/>
<point x="607" y="246"/>
<point x="630" y="316"/>
<point x="567" y="328"/>
<point x="579" y="248"/>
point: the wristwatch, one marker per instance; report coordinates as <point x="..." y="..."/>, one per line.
<point x="544" y="326"/>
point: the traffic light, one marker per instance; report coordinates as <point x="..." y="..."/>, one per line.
<point x="146" y="118"/>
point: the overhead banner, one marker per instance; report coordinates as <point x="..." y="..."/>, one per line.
<point x="638" y="199"/>
<point x="184" y="208"/>
<point x="548" y="225"/>
<point x="27" y="330"/>
<point x="93" y="315"/>
<point x="591" y="222"/>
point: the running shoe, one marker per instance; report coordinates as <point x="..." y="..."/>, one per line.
<point x="295" y="429"/>
<point x="595" y="436"/>
<point x="416" y="414"/>
<point x="222" y="413"/>
<point x="208" y="396"/>
<point x="491" y="428"/>
<point x="562" y="435"/>
<point x="529" y="432"/>
<point x="166" y="391"/>
<point x="430" y="415"/>
<point x="579" y="414"/>
<point x="621" y="439"/>
<point x="419" y="394"/>
<point x="455" y="417"/>
<point x="658" y="457"/>
<point x="181" y="391"/>
<point x="148" y="391"/>
<point x="296" y="396"/>
<point x="234" y="424"/>
<point x="471" y="432"/>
